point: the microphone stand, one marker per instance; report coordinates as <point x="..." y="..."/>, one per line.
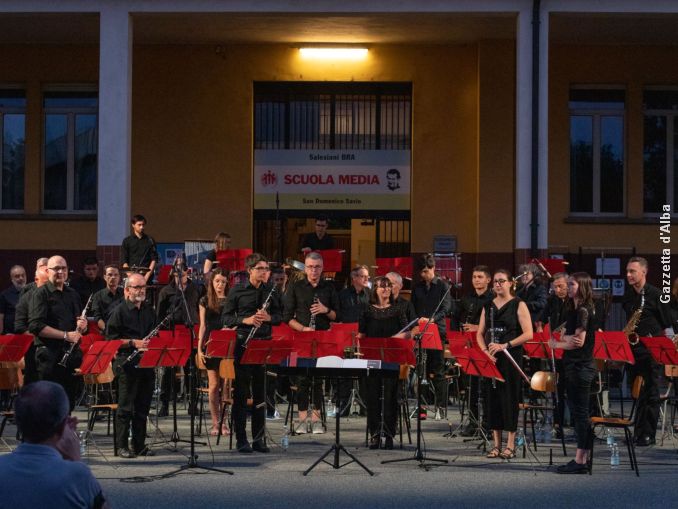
<point x="193" y="457"/>
<point x="419" y="455"/>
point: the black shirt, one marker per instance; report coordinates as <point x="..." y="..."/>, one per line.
<point x="352" y="304"/>
<point x="655" y="316"/>
<point x="129" y="322"/>
<point x="21" y="310"/>
<point x="85" y="287"/>
<point x="505" y="322"/>
<point x="213" y="320"/>
<point x="243" y="301"/>
<point x="8" y="301"/>
<point x="581" y="318"/>
<point x="170" y="296"/>
<point x="298" y="300"/>
<point x="382" y="323"/>
<point x="425" y="299"/>
<point x="469" y="309"/>
<point x="104" y="302"/>
<point x="137" y="251"/>
<point x="555" y="312"/>
<point x="55" y="308"/>
<point x="408" y="309"/>
<point x="533" y="294"/>
<point x="311" y="240"/>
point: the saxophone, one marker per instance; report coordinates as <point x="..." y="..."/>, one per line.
<point x="632" y="324"/>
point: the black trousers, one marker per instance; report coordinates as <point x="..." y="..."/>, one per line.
<point x="30" y="369"/>
<point x="503" y="399"/>
<point x="47" y="358"/>
<point x="648" y="403"/>
<point x="580" y="375"/>
<point x="374" y="385"/>
<point x="248" y="377"/>
<point x="308" y="388"/>
<point x="135" y="392"/>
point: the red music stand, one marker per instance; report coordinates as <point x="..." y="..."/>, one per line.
<point x="314" y="344"/>
<point x="92" y="327"/>
<point x="181" y="331"/>
<point x="613" y="346"/>
<point x="164" y="351"/>
<point x="662" y="350"/>
<point x="431" y="338"/>
<point x="393" y="350"/>
<point x="88" y="340"/>
<point x="402" y="266"/>
<point x="266" y="352"/>
<point x="99" y="356"/>
<point x="458" y="341"/>
<point x="14" y="346"/>
<point x="332" y="259"/>
<point x="221" y="344"/>
<point x="473" y="361"/>
<point x="345" y="334"/>
<point x="538" y="347"/>
<point x="282" y="331"/>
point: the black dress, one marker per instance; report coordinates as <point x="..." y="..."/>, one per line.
<point x="212" y="322"/>
<point x="382" y="323"/>
<point x="504" y="397"/>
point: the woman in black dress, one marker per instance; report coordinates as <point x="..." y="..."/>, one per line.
<point x="210" y="308"/>
<point x="381" y="319"/>
<point x="505" y="324"/>
<point x="580" y="369"/>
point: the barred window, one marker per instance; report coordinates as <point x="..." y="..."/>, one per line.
<point x="12" y="151"/>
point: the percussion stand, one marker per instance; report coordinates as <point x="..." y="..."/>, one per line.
<point x="419" y="456"/>
<point x="193" y="457"/>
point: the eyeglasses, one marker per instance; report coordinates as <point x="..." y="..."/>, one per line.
<point x="58" y="269"/>
<point x="499" y="282"/>
<point x="366" y="276"/>
<point x="137" y="287"/>
<point x="314" y="267"/>
<point x="385" y="286"/>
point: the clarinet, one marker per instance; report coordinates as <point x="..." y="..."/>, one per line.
<point x="311" y="323"/>
<point x="132" y="357"/>
<point x="69" y="351"/>
<point x="493" y="339"/>
<point x="264" y="306"/>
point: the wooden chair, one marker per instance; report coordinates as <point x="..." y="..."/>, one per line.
<point x="671" y="372"/>
<point x="11" y="379"/>
<point x="103" y="379"/>
<point x="619" y="423"/>
<point x="227" y="373"/>
<point x="545" y="382"/>
<point x="203" y="392"/>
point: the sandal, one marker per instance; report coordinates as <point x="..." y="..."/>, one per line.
<point x="494" y="453"/>
<point x="508" y="455"/>
<point x="214" y="431"/>
<point x="225" y="431"/>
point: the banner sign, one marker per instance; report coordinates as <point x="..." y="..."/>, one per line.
<point x="332" y="179"/>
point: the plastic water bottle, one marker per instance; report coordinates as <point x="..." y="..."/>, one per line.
<point x="548" y="430"/>
<point x="614" y="456"/>
<point x="285" y="440"/>
<point x="82" y="437"/>
<point x="520" y="438"/>
<point x="610" y="437"/>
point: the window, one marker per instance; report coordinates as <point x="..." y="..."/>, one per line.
<point x="660" y="150"/>
<point x="70" y="151"/>
<point x="332" y="116"/>
<point x="12" y="151"/>
<point x="597" y="151"/>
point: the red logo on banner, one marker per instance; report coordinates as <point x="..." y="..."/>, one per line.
<point x="269" y="179"/>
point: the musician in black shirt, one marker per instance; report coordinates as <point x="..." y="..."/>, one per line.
<point x="245" y="311"/>
<point x="89" y="281"/>
<point x="654" y="318"/>
<point x="132" y="321"/>
<point x="466" y="317"/>
<point x="354" y="298"/>
<point x="139" y="250"/>
<point x="319" y="239"/>
<point x="532" y="292"/>
<point x="426" y="296"/>
<point x="397" y="285"/>
<point x="310" y="304"/>
<point x="104" y="301"/>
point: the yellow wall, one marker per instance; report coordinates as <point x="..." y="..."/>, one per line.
<point x="633" y="67"/>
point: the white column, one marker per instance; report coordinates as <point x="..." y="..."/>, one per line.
<point x="543" y="129"/>
<point x="115" y="123"/>
<point x="523" y="128"/>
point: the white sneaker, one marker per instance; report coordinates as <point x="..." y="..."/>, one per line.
<point x="301" y="428"/>
<point x="317" y="427"/>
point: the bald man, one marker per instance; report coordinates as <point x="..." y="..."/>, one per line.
<point x="54" y="320"/>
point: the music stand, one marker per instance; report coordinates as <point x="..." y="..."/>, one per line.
<point x="262" y="352"/>
<point x="662" y="349"/>
<point x="538" y="347"/>
<point x="14" y="346"/>
<point x="613" y="346"/>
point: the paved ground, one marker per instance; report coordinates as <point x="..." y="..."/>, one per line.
<point x="468" y="480"/>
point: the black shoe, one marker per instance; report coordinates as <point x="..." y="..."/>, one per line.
<point x="374" y="442"/>
<point x="164" y="410"/>
<point x="388" y="444"/>
<point x="645" y="441"/>
<point x="468" y="431"/>
<point x="126" y="453"/>
<point x="572" y="468"/>
<point x="244" y="447"/>
<point x="559" y="433"/>
<point x="260" y="447"/>
<point x="146" y="452"/>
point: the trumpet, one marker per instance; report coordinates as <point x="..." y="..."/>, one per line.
<point x="264" y="306"/>
<point x="71" y="348"/>
<point x="132" y="357"/>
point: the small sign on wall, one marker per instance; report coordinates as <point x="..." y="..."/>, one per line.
<point x="444" y="243"/>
